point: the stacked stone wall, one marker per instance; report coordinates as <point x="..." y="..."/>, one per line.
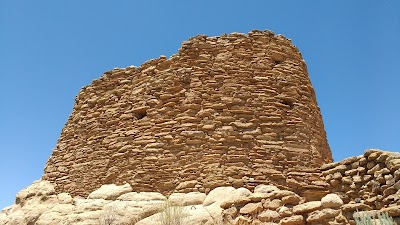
<point x="372" y="179"/>
<point x="236" y="110"/>
<point x="370" y="182"/>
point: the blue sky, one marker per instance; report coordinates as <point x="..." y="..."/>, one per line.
<point x="50" y="49"/>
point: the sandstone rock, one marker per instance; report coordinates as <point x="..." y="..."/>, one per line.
<point x="28" y="214"/>
<point x="281" y="193"/>
<point x="225" y="194"/>
<point x="251" y="208"/>
<point x="307" y="207"/>
<point x="185" y="199"/>
<point x="196" y="215"/>
<point x="238" y="201"/>
<point x="322" y="215"/>
<point x="126" y="212"/>
<point x="272" y="204"/>
<point x="285" y="211"/>
<point x="268" y="216"/>
<point x="241" y="220"/>
<point x="55" y="215"/>
<point x="110" y="191"/>
<point x="84" y="205"/>
<point x="142" y="196"/>
<point x="291" y="199"/>
<point x="293" y="220"/>
<point x="85" y="218"/>
<point x="355" y="206"/>
<point x="262" y="188"/>
<point x="65" y="198"/>
<point x="256" y="197"/>
<point x="392" y="211"/>
<point x="187" y="184"/>
<point x="331" y="201"/>
<point x="37" y="188"/>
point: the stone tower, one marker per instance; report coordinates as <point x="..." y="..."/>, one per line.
<point x="235" y="110"/>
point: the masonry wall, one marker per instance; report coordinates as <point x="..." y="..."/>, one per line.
<point x="370" y="182"/>
<point x="372" y="179"/>
<point x="236" y="110"/>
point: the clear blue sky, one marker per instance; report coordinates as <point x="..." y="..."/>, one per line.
<point x="50" y="49"/>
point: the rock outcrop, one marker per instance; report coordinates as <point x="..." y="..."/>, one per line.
<point x="236" y="110"/>
<point x="39" y="203"/>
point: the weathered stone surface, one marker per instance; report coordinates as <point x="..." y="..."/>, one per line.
<point x="285" y="211"/>
<point x="251" y="208"/>
<point x="64" y="198"/>
<point x="110" y="191"/>
<point x="293" y="220"/>
<point x="244" y="101"/>
<point x="185" y="199"/>
<point x="392" y="211"/>
<point x="142" y="196"/>
<point x="322" y="215"/>
<point x="55" y="215"/>
<point x="262" y="188"/>
<point x="37" y="188"/>
<point x="268" y="216"/>
<point x="291" y="199"/>
<point x="272" y="204"/>
<point x="331" y="201"/>
<point x="355" y="206"/>
<point x="307" y="207"/>
<point x="226" y="196"/>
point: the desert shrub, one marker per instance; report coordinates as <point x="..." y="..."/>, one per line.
<point x="172" y="214"/>
<point x="366" y="218"/>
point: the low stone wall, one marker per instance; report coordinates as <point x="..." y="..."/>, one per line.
<point x="269" y="205"/>
<point x="372" y="178"/>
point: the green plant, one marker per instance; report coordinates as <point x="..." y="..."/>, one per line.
<point x="171" y="214"/>
<point x="366" y="218"/>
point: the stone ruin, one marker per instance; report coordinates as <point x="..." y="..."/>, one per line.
<point x="228" y="129"/>
<point x="235" y="110"/>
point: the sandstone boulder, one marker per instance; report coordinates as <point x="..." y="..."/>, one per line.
<point x="185" y="199"/>
<point x="262" y="188"/>
<point x="142" y="196"/>
<point x="37" y="188"/>
<point x="293" y="220"/>
<point x="193" y="215"/>
<point x="322" y="215"/>
<point x="251" y="208"/>
<point x="110" y="191"/>
<point x="351" y="207"/>
<point x="307" y="207"/>
<point x="392" y="211"/>
<point x="331" y="201"/>
<point x="268" y="216"/>
<point x="226" y="194"/>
